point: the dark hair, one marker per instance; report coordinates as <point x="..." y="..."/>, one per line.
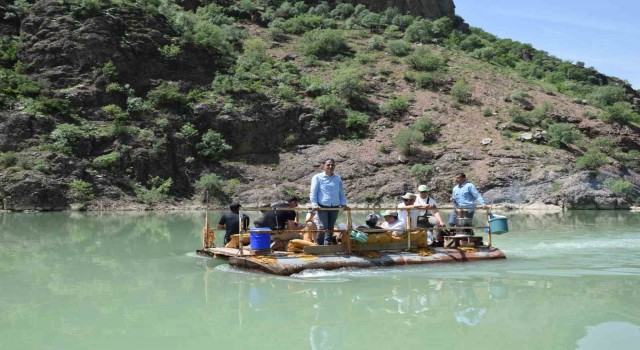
<point x="327" y="160"/>
<point x="234" y="207"/>
<point x="462" y="175"/>
<point x="291" y="198"/>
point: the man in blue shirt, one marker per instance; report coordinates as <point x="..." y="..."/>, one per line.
<point x="463" y="197"/>
<point x="327" y="191"/>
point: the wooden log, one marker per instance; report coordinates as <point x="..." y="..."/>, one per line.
<point x="385" y="246"/>
<point x="325" y="249"/>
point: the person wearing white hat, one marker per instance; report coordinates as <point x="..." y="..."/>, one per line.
<point x="430" y="217"/>
<point x="391" y="222"/>
<point x="408" y="201"/>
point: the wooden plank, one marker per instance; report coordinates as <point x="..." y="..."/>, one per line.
<point x="325" y="249"/>
<point x="384" y="246"/>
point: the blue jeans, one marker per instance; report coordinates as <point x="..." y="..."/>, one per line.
<point x="328" y="219"/>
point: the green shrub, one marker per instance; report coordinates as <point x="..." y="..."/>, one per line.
<point x="116" y="88"/>
<point x="324" y="43"/>
<point x="619" y="186"/>
<point x="604" y="144"/>
<point x="487" y="112"/>
<point x="348" y="83"/>
<point x="342" y="11"/>
<point x="330" y="105"/>
<point x="424" y="80"/>
<point x="64" y="136"/>
<point x="621" y="112"/>
<point x="607" y="95"/>
<point x="376" y="43"/>
<point x="213" y="146"/>
<point x="107" y="161"/>
<point x="209" y="182"/>
<point x="406" y="139"/>
<point x="630" y="159"/>
<point x="80" y="191"/>
<point x="520" y="96"/>
<point x="563" y="134"/>
<point x="158" y="190"/>
<point x="276" y="31"/>
<point x="591" y="160"/>
<point x="420" y="31"/>
<point x="421" y="172"/>
<point x="398" y="47"/>
<point x="461" y="91"/>
<point x="170" y="52"/>
<point x="302" y="23"/>
<point x="372" y="21"/>
<point x="392" y="32"/>
<point x="425" y="126"/>
<point x="166" y="95"/>
<point x="115" y="112"/>
<point x="46" y="105"/>
<point x="357" y="123"/>
<point x="421" y="60"/>
<point x="314" y="86"/>
<point x="395" y="106"/>
<point x="8" y="159"/>
<point x="188" y="130"/>
<point x="110" y="70"/>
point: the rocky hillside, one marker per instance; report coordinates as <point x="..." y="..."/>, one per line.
<point x="142" y="104"/>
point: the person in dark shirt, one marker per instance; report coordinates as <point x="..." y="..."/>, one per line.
<point x="282" y="219"/>
<point x="231" y="222"/>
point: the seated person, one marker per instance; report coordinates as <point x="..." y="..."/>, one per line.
<point x="408" y="202"/>
<point x="230" y="222"/>
<point x="312" y="226"/>
<point x="259" y="222"/>
<point x="371" y="222"/>
<point x="391" y="222"/>
<point x="282" y="219"/>
<point x="431" y="216"/>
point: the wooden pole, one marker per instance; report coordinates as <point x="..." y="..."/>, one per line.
<point x="408" y="226"/>
<point x="240" y="232"/>
<point x="347" y="237"/>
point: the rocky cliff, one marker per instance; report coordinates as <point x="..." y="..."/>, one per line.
<point x="130" y="105"/>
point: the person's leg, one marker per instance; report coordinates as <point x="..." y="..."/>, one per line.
<point x="323" y="215"/>
<point x="332" y="217"/>
<point x="452" y="218"/>
<point x="227" y="238"/>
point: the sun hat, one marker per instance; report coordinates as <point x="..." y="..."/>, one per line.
<point x="409" y="195"/>
<point x="390" y="213"/>
<point x="423" y="188"/>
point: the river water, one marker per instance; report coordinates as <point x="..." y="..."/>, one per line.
<point x="131" y="281"/>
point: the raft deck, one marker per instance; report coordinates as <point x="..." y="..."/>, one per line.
<point x="286" y="263"/>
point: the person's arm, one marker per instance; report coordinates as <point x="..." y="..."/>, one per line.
<point x="313" y="192"/>
<point x="438" y="217"/>
<point x="221" y="223"/>
<point x="341" y="194"/>
<point x="476" y="194"/>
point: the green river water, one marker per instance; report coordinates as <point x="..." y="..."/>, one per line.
<point x="131" y="281"/>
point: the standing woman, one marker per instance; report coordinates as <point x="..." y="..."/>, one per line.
<point x="327" y="191"/>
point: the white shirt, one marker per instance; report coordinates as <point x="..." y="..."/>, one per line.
<point x="402" y="215"/>
<point x="428" y="200"/>
<point x="396" y="225"/>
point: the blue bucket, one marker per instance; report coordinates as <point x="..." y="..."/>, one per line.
<point x="498" y="224"/>
<point x="260" y="238"/>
